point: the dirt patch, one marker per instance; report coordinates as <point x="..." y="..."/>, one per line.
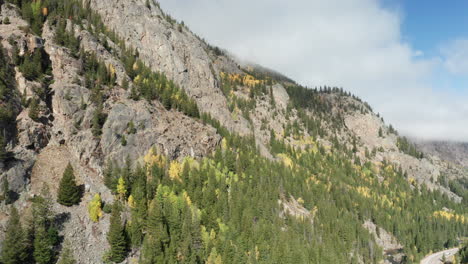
<point x="49" y="168"/>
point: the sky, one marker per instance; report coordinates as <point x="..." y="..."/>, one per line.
<point x="407" y="58"/>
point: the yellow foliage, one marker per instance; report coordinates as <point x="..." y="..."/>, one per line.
<point x="451" y="216"/>
<point x="137" y="79"/>
<point x="286" y="160"/>
<point x="192" y="163"/>
<point x="314" y="210"/>
<point x="174" y="170"/>
<point x="389" y="169"/>
<point x="306" y="140"/>
<point x="187" y="198"/>
<point x="385" y="201"/>
<point x="224" y="145"/>
<point x="111" y="70"/>
<point x="94" y="208"/>
<point x="246" y="79"/>
<point x="135" y="66"/>
<point x="131" y="201"/>
<point x="121" y="189"/>
<point x="364" y="191"/>
<point x="312" y="179"/>
<point x="45" y="11"/>
<point x="300" y="200"/>
<point x="152" y="158"/>
<point x="214" y="257"/>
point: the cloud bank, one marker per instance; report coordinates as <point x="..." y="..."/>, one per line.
<point x="355" y="44"/>
<point x="456" y="56"/>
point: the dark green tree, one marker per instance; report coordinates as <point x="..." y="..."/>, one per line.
<point x="3" y="151"/>
<point x="116" y="236"/>
<point x="43" y="253"/>
<point x="34" y="109"/>
<point x="97" y="121"/>
<point x="69" y="192"/>
<point x="14" y="248"/>
<point x="157" y="238"/>
<point x="6" y="191"/>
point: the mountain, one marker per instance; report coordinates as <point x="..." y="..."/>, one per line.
<point x="181" y="153"/>
<point x="454" y="152"/>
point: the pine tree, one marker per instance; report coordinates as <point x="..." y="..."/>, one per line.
<point x="136" y="225"/>
<point x="463" y="254"/>
<point x="68" y="193"/>
<point x="42" y="204"/>
<point x="123" y="140"/>
<point x="157" y="238"/>
<point x="125" y="84"/>
<point x="45" y="235"/>
<point x="34" y="109"/>
<point x="110" y="179"/>
<point x="121" y="188"/>
<point x="14" y="250"/>
<point x="131" y="128"/>
<point x="43" y="253"/>
<point x="116" y="236"/>
<point x="6" y="191"/>
<point x="3" y="151"/>
<point x="66" y="257"/>
<point x="99" y="118"/>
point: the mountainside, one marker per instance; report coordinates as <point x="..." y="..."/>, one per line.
<point x="454" y="152"/>
<point x="126" y="137"/>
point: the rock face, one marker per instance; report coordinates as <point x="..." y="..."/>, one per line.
<point x="280" y="95"/>
<point x="174" y="133"/>
<point x="171" y="48"/>
<point x="423" y="171"/>
<point x="392" y="249"/>
<point x="454" y="152"/>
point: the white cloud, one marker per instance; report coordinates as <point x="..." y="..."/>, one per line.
<point x="456" y="56"/>
<point x="355" y="44"/>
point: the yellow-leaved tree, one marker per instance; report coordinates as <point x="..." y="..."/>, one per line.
<point x="214" y="257"/>
<point x="131" y="201"/>
<point x="174" y="170"/>
<point x="121" y="189"/>
<point x="94" y="208"/>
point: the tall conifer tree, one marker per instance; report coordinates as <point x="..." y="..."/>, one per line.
<point x="69" y="192"/>
<point x="14" y="250"/>
<point x="116" y="236"/>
